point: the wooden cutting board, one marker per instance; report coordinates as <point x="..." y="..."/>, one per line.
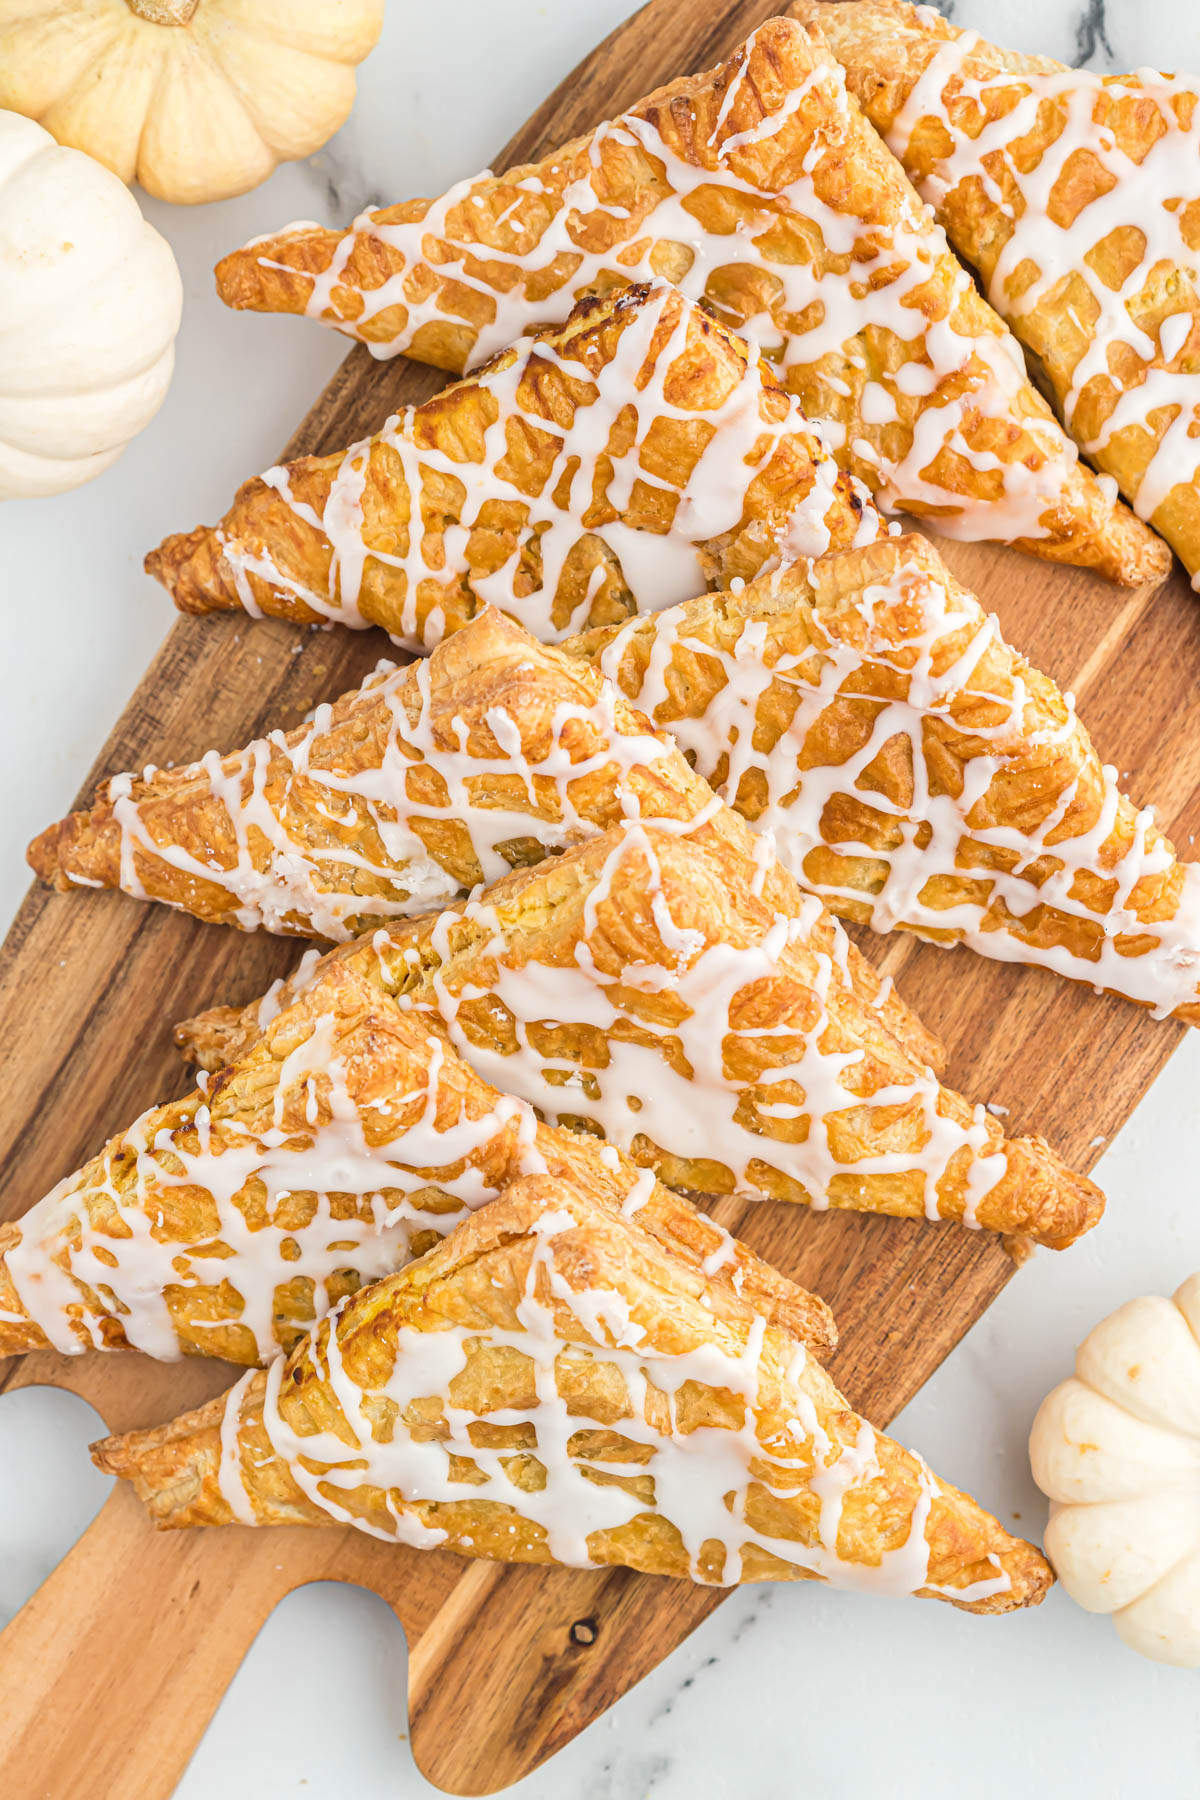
<point x="110" y="1674"/>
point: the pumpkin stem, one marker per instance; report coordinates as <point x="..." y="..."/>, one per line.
<point x="163" y="12"/>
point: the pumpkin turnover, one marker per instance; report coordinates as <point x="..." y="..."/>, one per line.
<point x="915" y="771"/>
<point x="348" y="1139"/>
<point x="427" y="781"/>
<point x="1076" y="196"/>
<point x="682" y="997"/>
<point x="550" y="1385"/>
<point x="760" y="188"/>
<point x="406" y="792"/>
<point x="614" y="465"/>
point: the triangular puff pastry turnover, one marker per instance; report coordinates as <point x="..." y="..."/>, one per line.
<point x="759" y="188"/>
<point x="615" y="465"/>
<point x="679" y="994"/>
<point x="406" y="792"/>
<point x="348" y="1139"/>
<point x="416" y="787"/>
<point x="549" y="1385"/>
<point x="1076" y="196"/>
<point x="915" y="771"/>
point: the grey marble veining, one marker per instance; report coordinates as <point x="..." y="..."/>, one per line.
<point x="434" y="148"/>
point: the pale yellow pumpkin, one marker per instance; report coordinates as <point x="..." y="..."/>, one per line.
<point x="194" y="99"/>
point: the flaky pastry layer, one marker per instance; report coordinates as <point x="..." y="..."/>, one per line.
<point x="1076" y="197"/>
<point x="550" y="1385"/>
<point x="615" y="465"/>
<point x="679" y="994"/>
<point x="347" y="1139"/>
<point x="759" y="188"/>
<point x="406" y="792"/>
<point x="915" y="771"/>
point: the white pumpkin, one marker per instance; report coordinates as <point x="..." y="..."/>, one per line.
<point x="1117" y="1449"/>
<point x="90" y="298"/>
<point x="195" y="99"/>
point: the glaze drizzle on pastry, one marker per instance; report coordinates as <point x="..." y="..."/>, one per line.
<point x="1077" y="198"/>
<point x="724" y="1056"/>
<point x="346" y="1141"/>
<point x="552" y="1385"/>
<point x="222" y="1224"/>
<point x="917" y="773"/>
<point x="617" y="465"/>
<point x="914" y="772"/>
<point x="676" y="992"/>
<point x="760" y="189"/>
<point x="1135" y="374"/>
<point x="702" y="1480"/>
<point x="371" y="814"/>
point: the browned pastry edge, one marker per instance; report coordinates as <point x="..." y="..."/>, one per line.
<point x="1082" y="527"/>
<point x="383" y="1052"/>
<point x="885" y="47"/>
<point x="475" y="1279"/>
<point x="491" y="660"/>
<point x="195" y="566"/>
<point x="714" y="890"/>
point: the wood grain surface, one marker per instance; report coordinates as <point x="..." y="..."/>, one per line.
<point x="111" y="1672"/>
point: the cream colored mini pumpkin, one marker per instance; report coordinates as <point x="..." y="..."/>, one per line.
<point x="1117" y="1449"/>
<point x="89" y="306"/>
<point x="196" y="99"/>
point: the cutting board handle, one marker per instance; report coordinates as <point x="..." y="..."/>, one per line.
<point x="518" y="1660"/>
<point x="112" y="1670"/>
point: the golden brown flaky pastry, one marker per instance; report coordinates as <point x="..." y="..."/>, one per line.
<point x="348" y="1139"/>
<point x="1076" y="196"/>
<point x="680" y="995"/>
<point x="549" y="1385"/>
<point x="915" y="771"/>
<point x="612" y="466"/>
<point x="418" y="786"/>
<point x="406" y="792"/>
<point x="759" y="188"/>
<point x="222" y="1033"/>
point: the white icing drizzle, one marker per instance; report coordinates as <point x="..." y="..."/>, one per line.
<point x="1161" y="395"/>
<point x="229" y="1470"/>
<point x="660" y="567"/>
<point x="298" y="982"/>
<point x="130" y="1261"/>
<point x="1155" y="961"/>
<point x="707" y="1113"/>
<point x="702" y="1478"/>
<point x="861" y="278"/>
<point x="283" y="881"/>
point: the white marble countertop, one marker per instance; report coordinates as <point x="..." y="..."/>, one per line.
<point x="784" y="1690"/>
